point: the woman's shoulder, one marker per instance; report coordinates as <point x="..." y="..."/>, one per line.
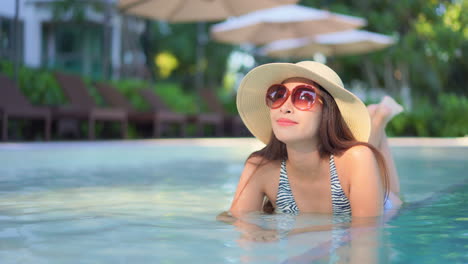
<point x="357" y="167"/>
<point x="357" y="154"/>
<point x="355" y="158"/>
<point x="262" y="166"/>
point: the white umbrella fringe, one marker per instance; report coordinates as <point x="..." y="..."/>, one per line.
<point x="263" y="26"/>
<point x="338" y="43"/>
<point x="282" y="14"/>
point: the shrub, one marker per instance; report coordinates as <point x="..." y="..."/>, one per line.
<point x="171" y="93"/>
<point x="38" y="85"/>
<point x="451" y="116"/>
<point x="444" y="118"/>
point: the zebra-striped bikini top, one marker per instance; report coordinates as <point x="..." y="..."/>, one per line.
<point x="285" y="202"/>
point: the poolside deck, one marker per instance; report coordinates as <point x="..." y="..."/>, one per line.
<point x="228" y="142"/>
<point x="430" y="142"/>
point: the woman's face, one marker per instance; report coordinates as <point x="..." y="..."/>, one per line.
<point x="292" y="125"/>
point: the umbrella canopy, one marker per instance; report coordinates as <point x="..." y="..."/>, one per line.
<point x="195" y="10"/>
<point x="284" y="22"/>
<point x="332" y="44"/>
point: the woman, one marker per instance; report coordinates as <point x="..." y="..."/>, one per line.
<point x="323" y="153"/>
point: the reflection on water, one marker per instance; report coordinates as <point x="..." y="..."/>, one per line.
<point x="150" y="203"/>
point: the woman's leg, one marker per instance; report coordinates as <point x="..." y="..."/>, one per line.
<point x="381" y="114"/>
<point x="378" y="115"/>
<point x="394" y="180"/>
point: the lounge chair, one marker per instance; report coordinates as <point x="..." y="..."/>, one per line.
<point x="212" y="118"/>
<point x="158" y="116"/>
<point x="233" y="124"/>
<point x="82" y="106"/>
<point x="13" y="104"/>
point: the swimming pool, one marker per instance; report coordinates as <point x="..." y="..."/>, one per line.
<point x="155" y="201"/>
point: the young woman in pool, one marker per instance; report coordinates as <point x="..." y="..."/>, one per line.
<point x="325" y="151"/>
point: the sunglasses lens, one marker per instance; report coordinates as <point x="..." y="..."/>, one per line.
<point x="304" y="97"/>
<point x="276" y="96"/>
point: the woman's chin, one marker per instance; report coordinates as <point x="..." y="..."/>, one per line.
<point x="290" y="139"/>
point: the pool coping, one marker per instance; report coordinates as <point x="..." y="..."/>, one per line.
<point x="429" y="142"/>
<point x="231" y="142"/>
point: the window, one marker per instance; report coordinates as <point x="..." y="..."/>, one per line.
<point x="74" y="47"/>
<point x="7" y="45"/>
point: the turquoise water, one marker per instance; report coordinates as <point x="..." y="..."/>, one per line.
<point x="156" y="202"/>
<point x="434" y="230"/>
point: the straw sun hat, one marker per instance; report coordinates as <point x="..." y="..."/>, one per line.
<point x="256" y="115"/>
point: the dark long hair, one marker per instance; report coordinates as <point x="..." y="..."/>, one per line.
<point x="335" y="138"/>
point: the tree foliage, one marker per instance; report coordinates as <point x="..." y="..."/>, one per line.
<point x="426" y="69"/>
<point x="181" y="40"/>
<point x="430" y="55"/>
<point x="428" y="58"/>
<point x="64" y="10"/>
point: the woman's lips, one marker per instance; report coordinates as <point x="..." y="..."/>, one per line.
<point x="286" y="122"/>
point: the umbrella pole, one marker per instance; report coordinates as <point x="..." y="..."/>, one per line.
<point x="201" y="40"/>
<point x="199" y="75"/>
<point x="107" y="49"/>
<point x="16" y="41"/>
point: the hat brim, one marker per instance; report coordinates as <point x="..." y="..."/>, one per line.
<point x="256" y="115"/>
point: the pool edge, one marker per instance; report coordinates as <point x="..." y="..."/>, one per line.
<point x="231" y="142"/>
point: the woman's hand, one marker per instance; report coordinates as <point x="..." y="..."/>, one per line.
<point x="226" y="217"/>
<point x="249" y="231"/>
<point x="260" y="235"/>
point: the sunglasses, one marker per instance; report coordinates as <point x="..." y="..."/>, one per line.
<point x="303" y="96"/>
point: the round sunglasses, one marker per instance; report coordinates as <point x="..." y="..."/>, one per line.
<point x="303" y="96"/>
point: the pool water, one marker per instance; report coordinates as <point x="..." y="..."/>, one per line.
<point x="156" y="202"/>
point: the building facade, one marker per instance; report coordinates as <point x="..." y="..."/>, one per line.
<point x="72" y="37"/>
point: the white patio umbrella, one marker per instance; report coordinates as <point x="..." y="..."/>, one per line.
<point x="332" y="44"/>
<point x="288" y="21"/>
<point x="195" y="10"/>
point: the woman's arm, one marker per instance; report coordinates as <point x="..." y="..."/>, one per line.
<point x="249" y="193"/>
<point x="248" y="198"/>
<point x="366" y="193"/>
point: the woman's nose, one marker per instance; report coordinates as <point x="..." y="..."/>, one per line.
<point x="287" y="107"/>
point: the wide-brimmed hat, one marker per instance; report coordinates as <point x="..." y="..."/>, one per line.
<point x="256" y="115"/>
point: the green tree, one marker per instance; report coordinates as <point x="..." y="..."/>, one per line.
<point x="181" y="40"/>
<point x="430" y="55"/>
